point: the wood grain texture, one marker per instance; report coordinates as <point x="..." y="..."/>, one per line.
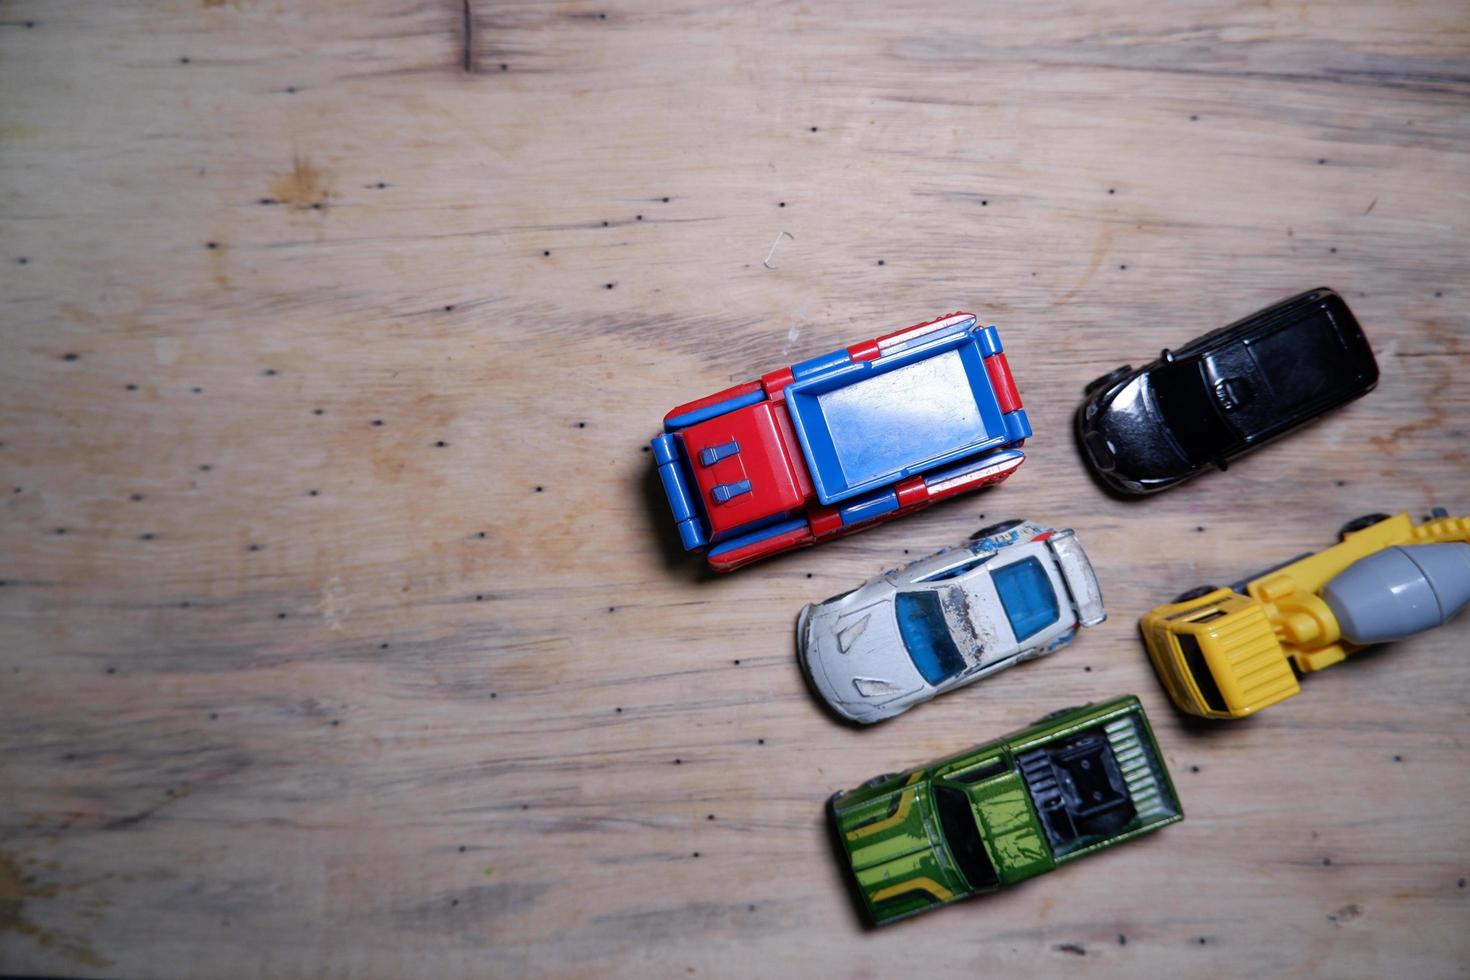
<point x="343" y="630"/>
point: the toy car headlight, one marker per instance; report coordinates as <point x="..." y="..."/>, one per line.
<point x="870" y="687"/>
<point x="1101" y="450"/>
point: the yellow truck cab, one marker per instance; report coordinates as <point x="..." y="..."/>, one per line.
<point x="1229" y="652"/>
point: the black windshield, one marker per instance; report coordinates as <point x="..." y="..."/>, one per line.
<point x="1305" y="362"/>
<point x="1188" y="409"/>
<point x="958" y="820"/>
<point x="1199" y="669"/>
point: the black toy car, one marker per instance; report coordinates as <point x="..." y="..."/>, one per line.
<point x="1224" y="393"/>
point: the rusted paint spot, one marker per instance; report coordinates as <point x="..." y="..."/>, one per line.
<point x="971" y="636"/>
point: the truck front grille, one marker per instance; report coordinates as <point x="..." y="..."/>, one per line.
<point x="1138" y="767"/>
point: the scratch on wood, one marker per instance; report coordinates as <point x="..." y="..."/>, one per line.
<point x="767" y="260"/>
<point x="122" y="823"/>
<point x="1427" y="83"/>
<point x="1099" y="251"/>
<point x="1434" y="418"/>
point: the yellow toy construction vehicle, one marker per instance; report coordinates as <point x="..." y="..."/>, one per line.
<point x="1229" y="652"/>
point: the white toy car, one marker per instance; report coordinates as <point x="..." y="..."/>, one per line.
<point x="1015" y="591"/>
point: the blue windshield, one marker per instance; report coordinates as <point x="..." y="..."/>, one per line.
<point x="1026" y="593"/>
<point x="925" y="633"/>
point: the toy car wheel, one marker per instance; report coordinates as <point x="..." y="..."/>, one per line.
<point x="997" y="528"/>
<point x="1195" y="593"/>
<point x="1359" y="523"/>
<point x="1108" y="380"/>
<point x="879" y="780"/>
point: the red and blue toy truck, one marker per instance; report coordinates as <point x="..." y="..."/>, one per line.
<point x="842" y="441"/>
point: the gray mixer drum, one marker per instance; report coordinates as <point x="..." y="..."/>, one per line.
<point x="1400" y="591"/>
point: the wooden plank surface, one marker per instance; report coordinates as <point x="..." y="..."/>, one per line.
<point x="343" y="631"/>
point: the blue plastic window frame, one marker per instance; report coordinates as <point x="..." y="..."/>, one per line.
<point x="926" y="635"/>
<point x="1027" y="596"/>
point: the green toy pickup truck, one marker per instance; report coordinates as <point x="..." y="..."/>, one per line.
<point x="1079" y="780"/>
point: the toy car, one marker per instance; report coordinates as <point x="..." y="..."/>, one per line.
<point x="842" y="441"/>
<point x="1229" y="652"/>
<point x="1224" y="393"/>
<point x="1016" y="591"/>
<point x="1078" y="781"/>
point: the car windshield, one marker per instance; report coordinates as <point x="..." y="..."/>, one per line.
<point x="1199" y="669"/>
<point x="1026" y="593"/>
<point x="1304" y="362"/>
<point x="963" y="837"/>
<point x="1188" y="410"/>
<point x="926" y="635"/>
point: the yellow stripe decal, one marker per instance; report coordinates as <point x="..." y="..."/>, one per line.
<point x="914" y="885"/>
<point x="905" y="800"/>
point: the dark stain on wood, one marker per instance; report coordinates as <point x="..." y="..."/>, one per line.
<point x="305" y="188"/>
<point x="15" y="889"/>
<point x="467" y="37"/>
<point x="132" y="819"/>
<point x="470" y="904"/>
